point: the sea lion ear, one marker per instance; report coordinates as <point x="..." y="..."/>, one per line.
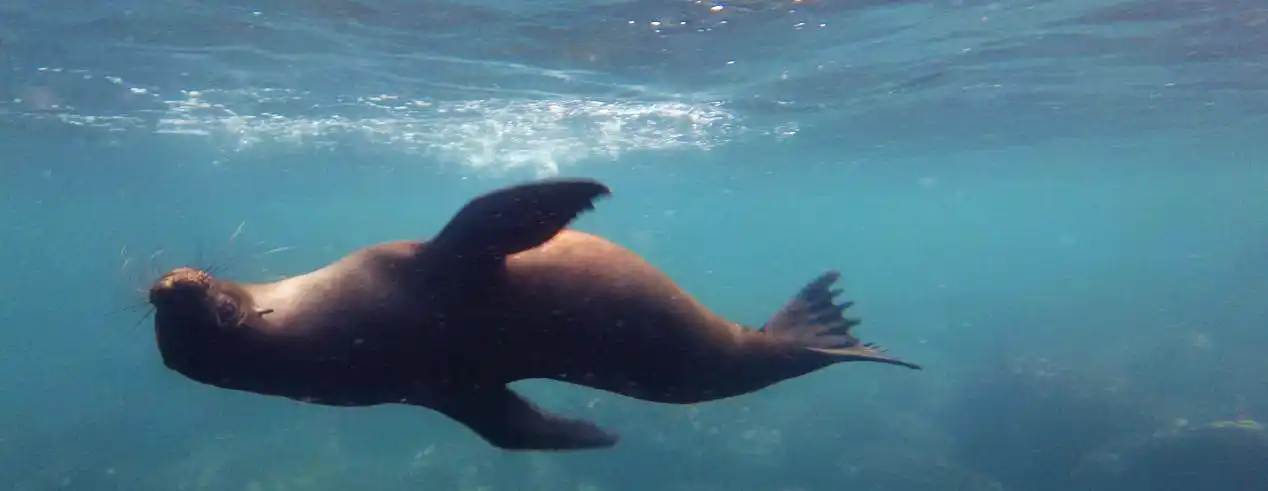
<point x="516" y="218"/>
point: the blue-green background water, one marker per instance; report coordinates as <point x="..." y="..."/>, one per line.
<point x="1058" y="208"/>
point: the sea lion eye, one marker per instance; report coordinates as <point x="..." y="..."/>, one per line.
<point x="226" y="310"/>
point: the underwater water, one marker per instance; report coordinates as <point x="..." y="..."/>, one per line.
<point x="1059" y="208"/>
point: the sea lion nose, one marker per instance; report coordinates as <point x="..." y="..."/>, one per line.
<point x="179" y="284"/>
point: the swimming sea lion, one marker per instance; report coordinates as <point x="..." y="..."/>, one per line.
<point x="503" y="293"/>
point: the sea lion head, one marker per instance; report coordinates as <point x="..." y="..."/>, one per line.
<point x="195" y="315"/>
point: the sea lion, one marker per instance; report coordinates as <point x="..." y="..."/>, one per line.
<point x="504" y="292"/>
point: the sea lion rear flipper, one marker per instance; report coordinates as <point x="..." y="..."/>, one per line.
<point x="509" y="421"/>
<point x="516" y="218"/>
<point x="814" y="321"/>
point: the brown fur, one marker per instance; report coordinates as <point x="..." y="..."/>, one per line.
<point x="400" y="323"/>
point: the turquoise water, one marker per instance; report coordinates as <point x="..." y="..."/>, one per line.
<point x="1058" y="208"/>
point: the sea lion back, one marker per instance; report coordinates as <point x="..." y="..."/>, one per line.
<point x="577" y="265"/>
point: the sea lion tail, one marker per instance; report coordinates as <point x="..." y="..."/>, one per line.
<point x="516" y="218"/>
<point x="814" y="321"/>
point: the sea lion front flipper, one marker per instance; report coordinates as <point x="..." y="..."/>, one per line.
<point x="813" y="320"/>
<point x="516" y="218"/>
<point x="509" y="421"/>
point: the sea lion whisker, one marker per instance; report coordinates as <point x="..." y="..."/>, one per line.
<point x="229" y="258"/>
<point x="216" y="266"/>
<point x="125" y="261"/>
<point x="273" y="251"/>
<point x="237" y="232"/>
<point x="134" y="307"/>
<point x="146" y="315"/>
<point x="151" y="267"/>
<point x="126" y="309"/>
<point x="128" y="273"/>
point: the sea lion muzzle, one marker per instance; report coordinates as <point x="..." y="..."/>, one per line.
<point x="180" y="285"/>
